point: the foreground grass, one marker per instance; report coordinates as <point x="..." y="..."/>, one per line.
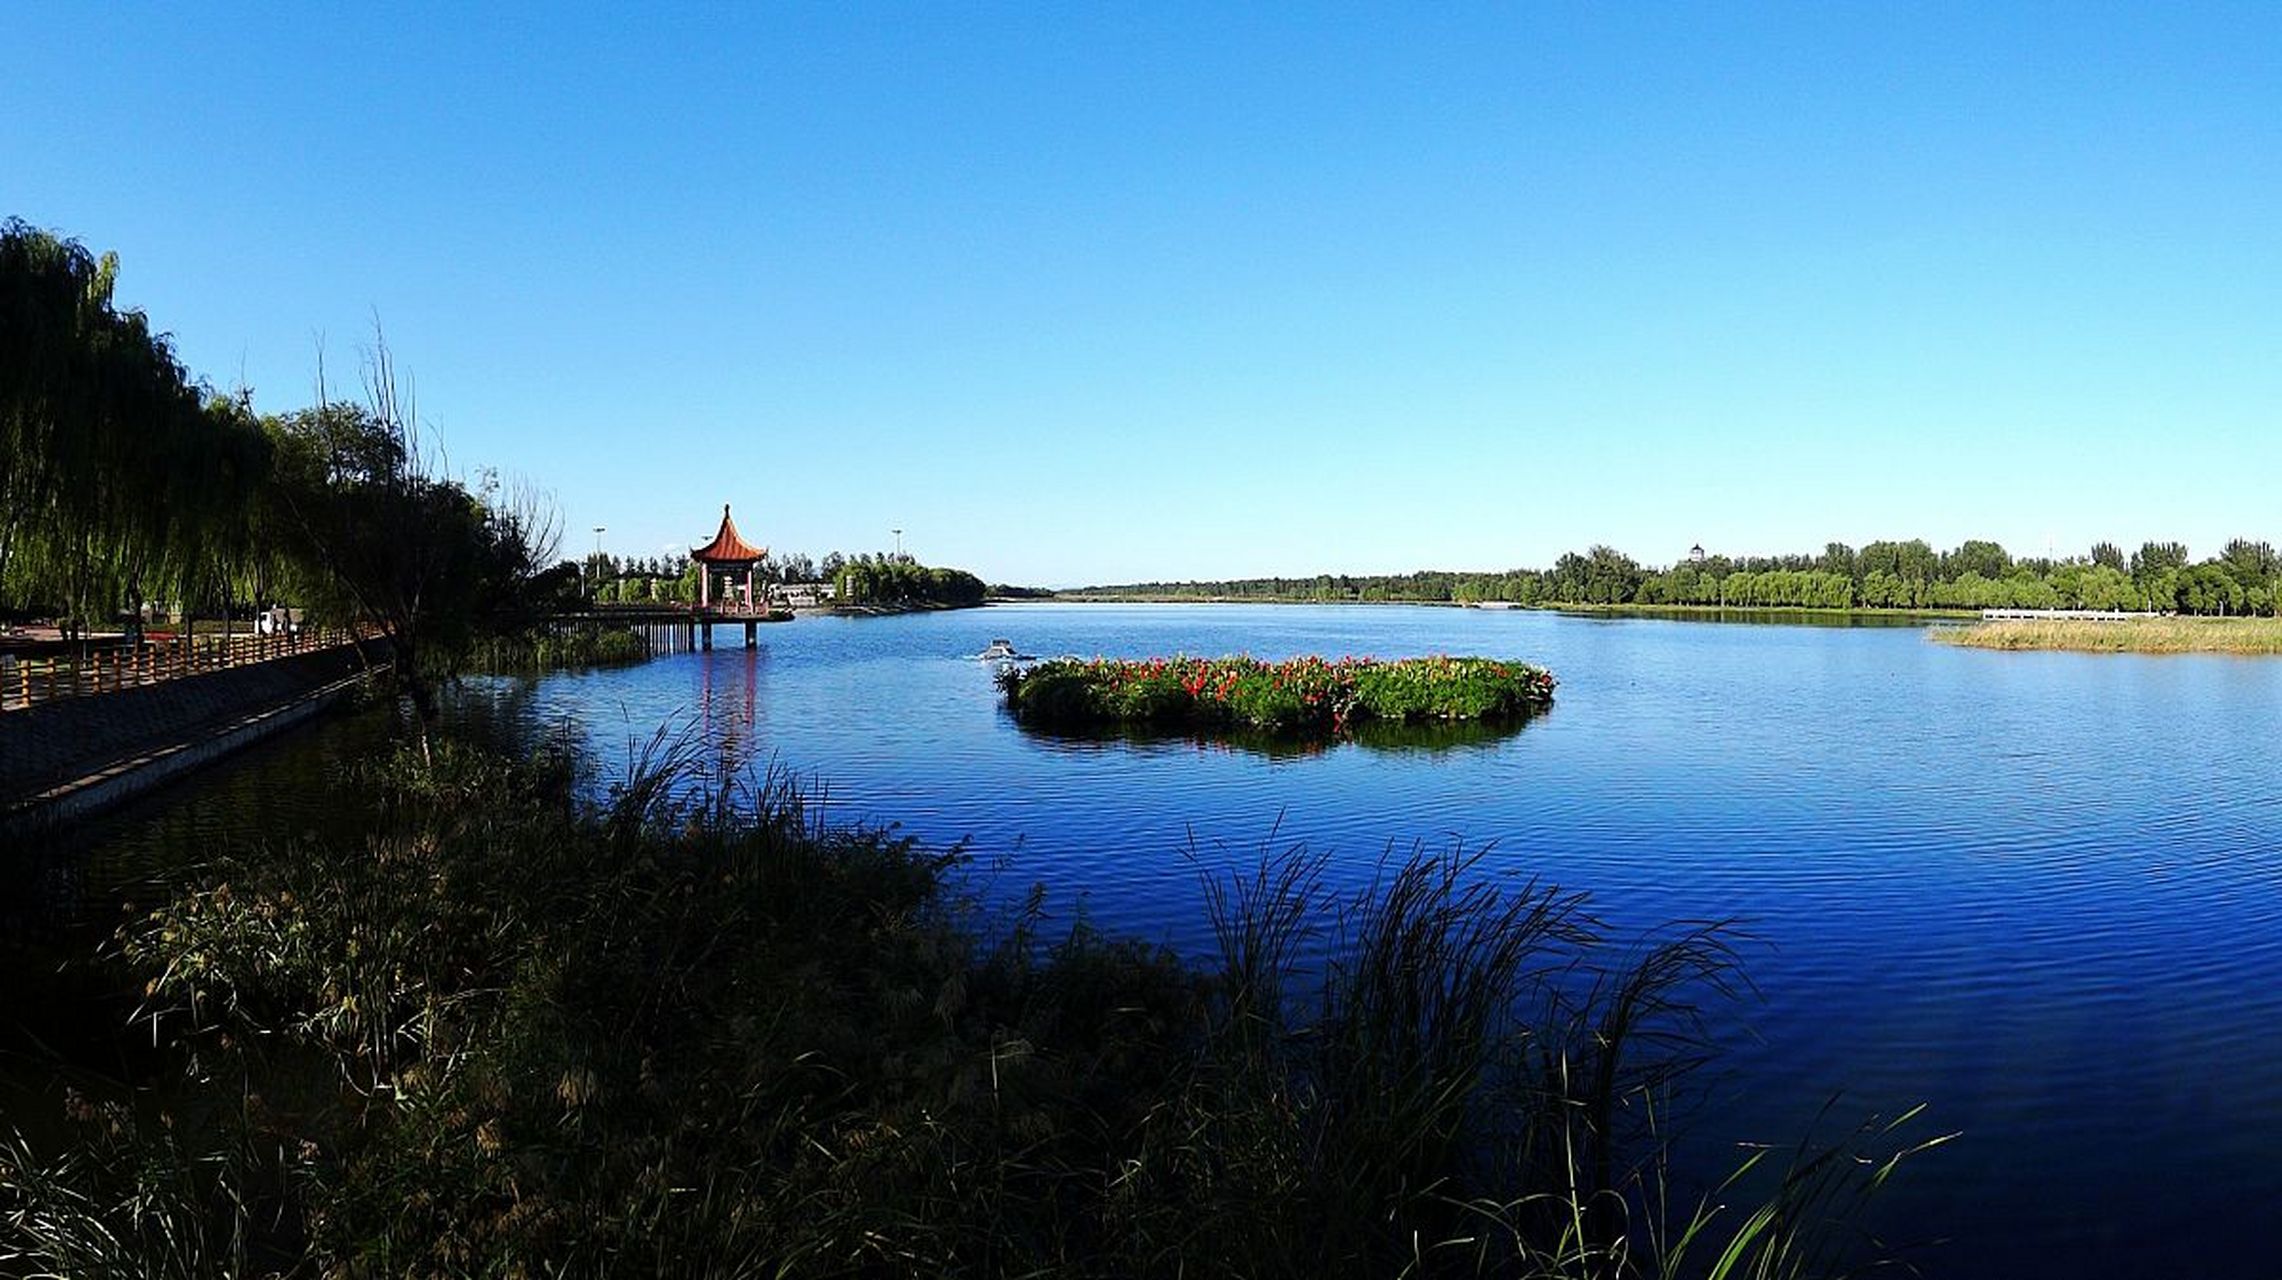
<point x="501" y="1035"/>
<point x="2248" y="636"/>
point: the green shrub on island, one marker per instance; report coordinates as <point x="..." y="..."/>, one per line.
<point x="1302" y="695"/>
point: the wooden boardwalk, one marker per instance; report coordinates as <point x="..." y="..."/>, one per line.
<point x="32" y="675"/>
<point x="53" y="670"/>
<point x="68" y="756"/>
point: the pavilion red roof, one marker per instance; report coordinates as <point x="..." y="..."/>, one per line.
<point x="727" y="547"/>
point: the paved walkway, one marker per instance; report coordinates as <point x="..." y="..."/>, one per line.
<point x="56" y="745"/>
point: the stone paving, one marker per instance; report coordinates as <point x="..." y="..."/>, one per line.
<point x="56" y="743"/>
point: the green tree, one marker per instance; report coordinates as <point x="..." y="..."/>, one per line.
<point x="2154" y="558"/>
<point x="1987" y="559"/>
<point x="120" y="477"/>
<point x="381" y="538"/>
<point x="2207" y="589"/>
<point x="2253" y="564"/>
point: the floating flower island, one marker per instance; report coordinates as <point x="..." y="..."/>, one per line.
<point x="1309" y="696"/>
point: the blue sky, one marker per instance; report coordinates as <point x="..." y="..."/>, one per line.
<point x="1101" y="293"/>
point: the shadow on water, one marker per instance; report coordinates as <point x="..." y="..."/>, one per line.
<point x="1427" y="738"/>
<point x="65" y="1006"/>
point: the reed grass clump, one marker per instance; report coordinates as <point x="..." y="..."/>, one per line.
<point x="1303" y="695"/>
<point x="2245" y="636"/>
<point x="568" y="648"/>
<point x="695" y="1032"/>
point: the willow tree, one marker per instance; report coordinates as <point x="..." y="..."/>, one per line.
<point x="120" y="477"/>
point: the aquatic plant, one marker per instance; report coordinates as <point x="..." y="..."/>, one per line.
<point x="2245" y="636"/>
<point x="562" y="648"/>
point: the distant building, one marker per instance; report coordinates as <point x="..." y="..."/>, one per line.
<point x="1696" y="554"/>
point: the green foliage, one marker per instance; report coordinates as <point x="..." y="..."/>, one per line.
<point x="1304" y="695"/>
<point x="1600" y="576"/>
<point x="902" y="581"/>
<point x="1883" y="575"/>
<point x="2207" y="588"/>
<point x="121" y="479"/>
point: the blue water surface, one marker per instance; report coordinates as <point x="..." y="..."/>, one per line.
<point x="2038" y="892"/>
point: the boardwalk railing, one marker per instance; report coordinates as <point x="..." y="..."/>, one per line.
<point x="677" y="628"/>
<point x="27" y="680"/>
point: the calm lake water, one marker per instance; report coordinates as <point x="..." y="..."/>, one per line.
<point x="2041" y="892"/>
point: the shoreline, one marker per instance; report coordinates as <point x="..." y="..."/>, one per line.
<point x="1497" y="606"/>
<point x="884" y="609"/>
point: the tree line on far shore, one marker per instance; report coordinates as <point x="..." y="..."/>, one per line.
<point x="2244" y="578"/>
<point x="879" y="577"/>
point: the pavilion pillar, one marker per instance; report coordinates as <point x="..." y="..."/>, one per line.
<point x="748" y="588"/>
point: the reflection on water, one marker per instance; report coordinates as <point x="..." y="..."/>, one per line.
<point x="1430" y="737"/>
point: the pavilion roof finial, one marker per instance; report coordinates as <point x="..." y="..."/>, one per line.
<point x="727" y="547"/>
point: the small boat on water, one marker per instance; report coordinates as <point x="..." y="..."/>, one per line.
<point x="1002" y="650"/>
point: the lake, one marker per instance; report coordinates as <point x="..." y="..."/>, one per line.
<point x="2040" y="892"/>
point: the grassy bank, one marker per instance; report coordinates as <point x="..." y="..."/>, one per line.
<point x="1302" y="696"/>
<point x="2248" y="636"/>
<point x="694" y="1033"/>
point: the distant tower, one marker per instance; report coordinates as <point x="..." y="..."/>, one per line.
<point x="1696" y="554"/>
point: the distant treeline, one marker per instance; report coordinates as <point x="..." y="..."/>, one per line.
<point x="2244" y="578"/>
<point x="903" y="580"/>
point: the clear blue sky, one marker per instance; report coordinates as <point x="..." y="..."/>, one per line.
<point x="1109" y="292"/>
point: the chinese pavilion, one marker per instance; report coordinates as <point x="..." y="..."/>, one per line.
<point x="727" y="553"/>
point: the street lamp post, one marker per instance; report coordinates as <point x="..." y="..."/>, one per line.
<point x="597" y="592"/>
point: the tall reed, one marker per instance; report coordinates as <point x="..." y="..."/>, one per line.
<point x="692" y="1030"/>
